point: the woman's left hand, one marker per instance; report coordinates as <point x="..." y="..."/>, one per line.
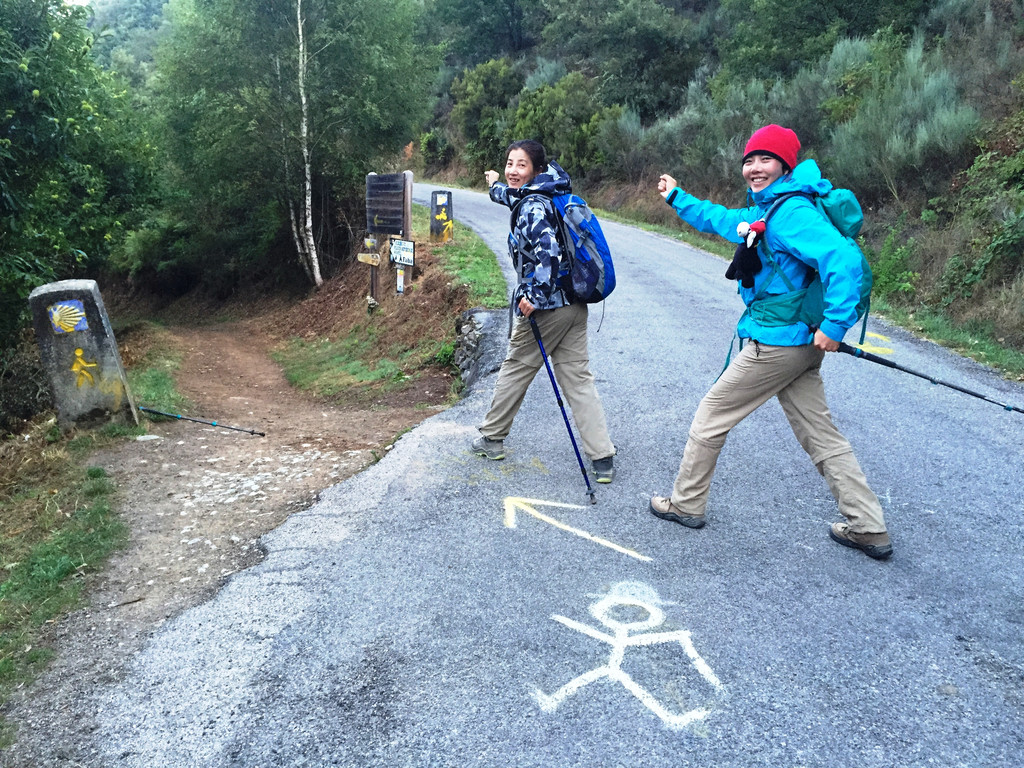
<point x="666" y="184"/>
<point x="527" y="309"/>
<point x="825" y="343"/>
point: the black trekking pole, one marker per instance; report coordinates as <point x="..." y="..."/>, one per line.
<point x="558" y="397"/>
<point x="844" y="347"/>
<point x="201" y="421"/>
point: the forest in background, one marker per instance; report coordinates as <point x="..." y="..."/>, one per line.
<point x="212" y="144"/>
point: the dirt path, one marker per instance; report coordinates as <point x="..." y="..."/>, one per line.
<point x="197" y="498"/>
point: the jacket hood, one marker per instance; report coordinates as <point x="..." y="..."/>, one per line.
<point x="806" y="177"/>
<point x="553" y="181"/>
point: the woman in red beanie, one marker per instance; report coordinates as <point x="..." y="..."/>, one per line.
<point x="782" y="357"/>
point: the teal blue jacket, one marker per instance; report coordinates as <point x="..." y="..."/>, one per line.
<point x="801" y="239"/>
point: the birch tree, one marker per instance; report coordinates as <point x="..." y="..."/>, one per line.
<point x="305" y="242"/>
<point x="277" y="109"/>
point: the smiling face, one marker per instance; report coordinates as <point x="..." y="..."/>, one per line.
<point x="759" y="171"/>
<point x="519" y="169"/>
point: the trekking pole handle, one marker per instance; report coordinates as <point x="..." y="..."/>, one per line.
<point x="846" y="348"/>
<point x="536" y="332"/>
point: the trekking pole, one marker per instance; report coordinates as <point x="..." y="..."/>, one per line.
<point x="844" y="347"/>
<point x="201" y="421"/>
<point x="558" y="397"/>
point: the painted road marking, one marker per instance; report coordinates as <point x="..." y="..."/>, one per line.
<point x="513" y="503"/>
<point x="869" y="347"/>
<point x="632" y="595"/>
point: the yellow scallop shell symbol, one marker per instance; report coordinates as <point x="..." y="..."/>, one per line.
<point x="65" y="316"/>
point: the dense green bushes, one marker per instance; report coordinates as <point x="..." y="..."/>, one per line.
<point x="907" y="102"/>
<point x="74" y="164"/>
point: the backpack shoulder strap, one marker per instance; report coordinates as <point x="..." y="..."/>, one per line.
<point x="783" y="198"/>
<point x="552" y="209"/>
<point x="768" y="249"/>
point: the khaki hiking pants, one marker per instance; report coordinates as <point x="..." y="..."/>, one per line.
<point x="564" y="332"/>
<point x="792" y="374"/>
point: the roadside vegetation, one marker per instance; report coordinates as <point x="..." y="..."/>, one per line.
<point x="132" y="151"/>
<point x="58" y="519"/>
<point x="142" y="158"/>
<point x="915" y="105"/>
<point x="387" y="347"/>
<point x="58" y="524"/>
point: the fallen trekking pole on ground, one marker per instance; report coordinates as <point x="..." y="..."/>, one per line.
<point x="844" y="347"/>
<point x="201" y="421"/>
<point x="558" y="397"/>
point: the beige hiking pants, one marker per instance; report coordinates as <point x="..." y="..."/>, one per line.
<point x="792" y="374"/>
<point x="564" y="332"/>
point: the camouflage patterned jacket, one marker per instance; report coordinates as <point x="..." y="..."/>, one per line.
<point x="532" y="242"/>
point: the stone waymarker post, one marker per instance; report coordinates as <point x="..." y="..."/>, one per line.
<point x="80" y="355"/>
<point x="442" y="225"/>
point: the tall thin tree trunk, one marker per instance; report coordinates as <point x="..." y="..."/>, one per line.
<point x="293" y="220"/>
<point x="312" y="254"/>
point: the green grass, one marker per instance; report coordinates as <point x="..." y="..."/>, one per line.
<point x="54" y="531"/>
<point x="976" y="341"/>
<point x="57" y="523"/>
<point x="469" y="261"/>
<point x="326" y="367"/>
<point x="356" y="363"/>
<point x="152" y="381"/>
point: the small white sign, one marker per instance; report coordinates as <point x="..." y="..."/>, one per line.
<point x="403" y="252"/>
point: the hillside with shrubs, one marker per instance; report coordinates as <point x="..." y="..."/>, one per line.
<point x="186" y="146"/>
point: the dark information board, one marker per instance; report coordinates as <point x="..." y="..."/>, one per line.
<point x="385" y="203"/>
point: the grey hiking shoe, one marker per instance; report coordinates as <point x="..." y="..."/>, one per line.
<point x="666" y="510"/>
<point x="603" y="470"/>
<point x="489" y="449"/>
<point x="876" y="545"/>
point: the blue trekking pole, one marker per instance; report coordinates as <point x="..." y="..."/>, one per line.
<point x="558" y="397"/>
<point x="847" y="349"/>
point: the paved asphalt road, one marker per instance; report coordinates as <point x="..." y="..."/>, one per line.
<point x="418" y="616"/>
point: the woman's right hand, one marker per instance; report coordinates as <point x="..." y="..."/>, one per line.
<point x="666" y="184"/>
<point x="491" y="176"/>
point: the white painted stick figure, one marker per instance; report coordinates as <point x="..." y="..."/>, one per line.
<point x="630" y="594"/>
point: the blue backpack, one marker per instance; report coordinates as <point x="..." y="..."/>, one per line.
<point x="586" y="273"/>
<point x="589" y="275"/>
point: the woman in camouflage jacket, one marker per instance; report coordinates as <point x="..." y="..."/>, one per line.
<point x="535" y="250"/>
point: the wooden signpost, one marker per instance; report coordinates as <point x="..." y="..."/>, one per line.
<point x="388" y="212"/>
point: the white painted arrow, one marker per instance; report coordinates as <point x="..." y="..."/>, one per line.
<point x="513" y="503"/>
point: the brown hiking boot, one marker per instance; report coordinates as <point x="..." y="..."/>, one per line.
<point x="876" y="545"/>
<point x="666" y="510"/>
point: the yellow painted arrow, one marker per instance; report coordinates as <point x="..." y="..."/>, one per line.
<point x="867" y="346"/>
<point x="513" y="503"/>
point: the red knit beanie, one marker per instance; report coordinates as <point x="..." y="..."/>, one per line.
<point x="781" y="143"/>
